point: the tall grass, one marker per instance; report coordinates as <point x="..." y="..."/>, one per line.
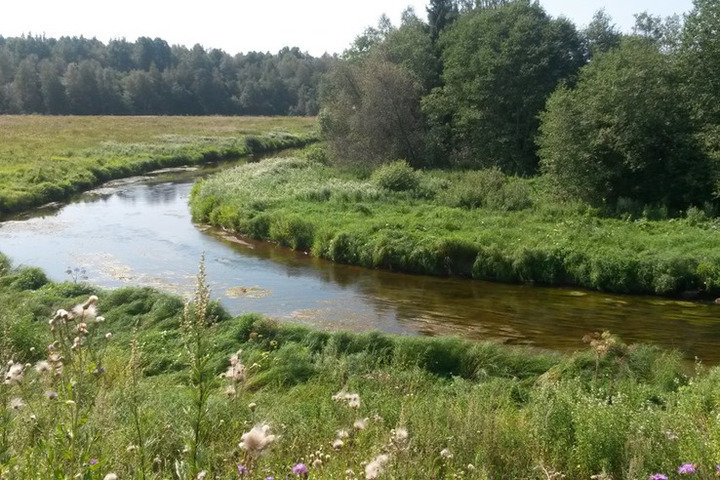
<point x="474" y="224"/>
<point x="282" y="398"/>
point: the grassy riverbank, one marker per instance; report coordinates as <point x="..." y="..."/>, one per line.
<point x="45" y="158"/>
<point x="149" y="401"/>
<point x="477" y="224"/>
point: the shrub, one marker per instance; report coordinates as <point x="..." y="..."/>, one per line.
<point x="397" y="176"/>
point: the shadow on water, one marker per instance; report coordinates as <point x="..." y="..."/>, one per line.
<point x="138" y="232"/>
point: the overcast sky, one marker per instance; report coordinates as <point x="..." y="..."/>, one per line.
<point x="315" y="26"/>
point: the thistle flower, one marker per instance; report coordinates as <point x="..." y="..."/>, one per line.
<point x="111" y="476"/>
<point x="658" y="476"/>
<point x="14" y="374"/>
<point x="42" y="367"/>
<point x="51" y="394"/>
<point x="256" y="440"/>
<point x="230" y="391"/>
<point x="446" y="454"/>
<point x="235" y="358"/>
<point x="99" y="319"/>
<point x="353" y="400"/>
<point x="317" y="463"/>
<point x="687" y="469"/>
<point x="93" y="461"/>
<point x="340" y="434"/>
<point x="337" y="444"/>
<point x="242" y="470"/>
<point x="108" y="335"/>
<point x="82" y="328"/>
<point x="236" y="373"/>
<point x="201" y="475"/>
<point x="376" y="467"/>
<point x="300" y="470"/>
<point x="61" y="314"/>
<point x="252" y="406"/>
<point x="17" y="404"/>
<point x="87" y="310"/>
<point x="360" y="423"/>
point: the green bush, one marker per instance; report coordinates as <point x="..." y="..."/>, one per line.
<point x="397" y="176"/>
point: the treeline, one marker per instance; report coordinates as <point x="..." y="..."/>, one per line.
<point x="618" y="120"/>
<point x="72" y="75"/>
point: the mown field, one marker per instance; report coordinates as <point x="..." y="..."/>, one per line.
<point x="478" y="224"/>
<point x="46" y="158"/>
<point x="157" y="390"/>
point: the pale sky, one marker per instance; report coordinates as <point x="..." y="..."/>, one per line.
<point x="315" y="26"/>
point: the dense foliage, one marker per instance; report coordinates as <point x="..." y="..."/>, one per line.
<point x="633" y="120"/>
<point x="82" y="76"/>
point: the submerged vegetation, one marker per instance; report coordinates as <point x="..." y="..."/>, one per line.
<point x="480" y="224"/>
<point x="134" y="383"/>
<point x="44" y="159"/>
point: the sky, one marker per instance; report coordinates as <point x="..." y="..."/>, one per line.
<point x="314" y="26"/>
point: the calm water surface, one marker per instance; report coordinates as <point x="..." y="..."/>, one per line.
<point x="138" y="232"/>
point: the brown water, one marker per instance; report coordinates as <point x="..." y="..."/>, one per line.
<point x="138" y="232"/>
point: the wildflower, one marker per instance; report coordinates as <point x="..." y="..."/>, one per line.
<point x="236" y="373"/>
<point x="99" y="319"/>
<point x="349" y="473"/>
<point x="658" y="476"/>
<point x="61" y="314"/>
<point x="340" y="434"/>
<point x="230" y="391"/>
<point x="353" y="400"/>
<point x="14" y="373"/>
<point x="108" y="336"/>
<point x="300" y="470"/>
<point x="87" y="310"/>
<point x="470" y="467"/>
<point x="252" y="406"/>
<point x="446" y="454"/>
<point x="201" y="475"/>
<point x="111" y="476"/>
<point x="131" y="448"/>
<point x="256" y="440"/>
<point x="235" y="359"/>
<point x="360" y="424"/>
<point x="317" y="463"/>
<point x="376" y="467"/>
<point x="93" y="461"/>
<point x="82" y="328"/>
<point x="242" y="470"/>
<point x="686" y="469"/>
<point x="42" y="367"/>
<point x="269" y="477"/>
<point x="51" y="394"/>
<point x="17" y="403"/>
<point x="77" y="343"/>
<point x="337" y="444"/>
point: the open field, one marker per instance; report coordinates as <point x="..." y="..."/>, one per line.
<point x="477" y="224"/>
<point x="45" y="158"/>
<point x="149" y="400"/>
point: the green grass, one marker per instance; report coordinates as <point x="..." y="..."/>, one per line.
<point x="472" y="224"/>
<point x="627" y="411"/>
<point x="45" y="159"/>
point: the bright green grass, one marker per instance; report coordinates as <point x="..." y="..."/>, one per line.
<point x="509" y="412"/>
<point x="473" y="224"/>
<point x="46" y="158"/>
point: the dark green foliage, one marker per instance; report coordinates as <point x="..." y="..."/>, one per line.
<point x="616" y="135"/>
<point x="28" y="278"/>
<point x="74" y="75"/>
<point x="500" y="65"/>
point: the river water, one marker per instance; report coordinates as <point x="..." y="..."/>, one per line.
<point x="138" y="231"/>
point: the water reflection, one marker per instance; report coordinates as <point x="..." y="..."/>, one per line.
<point x="139" y="232"/>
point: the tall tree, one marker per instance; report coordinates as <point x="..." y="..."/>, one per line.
<point x="601" y="35"/>
<point x="26" y="88"/>
<point x="616" y="135"/>
<point x="500" y="66"/>
<point x="441" y="13"/>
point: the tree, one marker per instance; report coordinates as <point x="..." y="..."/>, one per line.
<point x="441" y="13"/>
<point x="500" y="65"/>
<point x="26" y="88"/>
<point x="81" y="84"/>
<point x="53" y="91"/>
<point x="616" y="135"/>
<point x="600" y="35"/>
<point x="371" y="113"/>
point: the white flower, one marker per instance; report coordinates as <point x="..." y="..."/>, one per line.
<point x="256" y="440"/>
<point x="252" y="406"/>
<point x="201" y="475"/>
<point x="360" y="423"/>
<point x="14" y="373"/>
<point x="353" y="400"/>
<point x="337" y="444"/>
<point x="446" y="454"/>
<point x="17" y="403"/>
<point x="99" y="319"/>
<point x="111" y="476"/>
<point x="42" y="367"/>
<point x="342" y="434"/>
<point x="400" y="436"/>
<point x="376" y="467"/>
<point x="108" y="335"/>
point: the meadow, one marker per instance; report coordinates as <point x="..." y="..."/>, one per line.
<point x="476" y="224"/>
<point x="48" y="158"/>
<point x="139" y="384"/>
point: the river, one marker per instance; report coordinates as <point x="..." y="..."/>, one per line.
<point x="138" y="231"/>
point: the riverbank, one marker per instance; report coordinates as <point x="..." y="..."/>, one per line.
<point x="476" y="224"/>
<point x="46" y="158"/>
<point x="121" y="398"/>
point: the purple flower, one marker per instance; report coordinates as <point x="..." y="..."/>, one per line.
<point x="270" y="478"/>
<point x="242" y="471"/>
<point x="658" y="476"/>
<point x="300" y="470"/>
<point x="93" y="461"/>
<point x="686" y="469"/>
